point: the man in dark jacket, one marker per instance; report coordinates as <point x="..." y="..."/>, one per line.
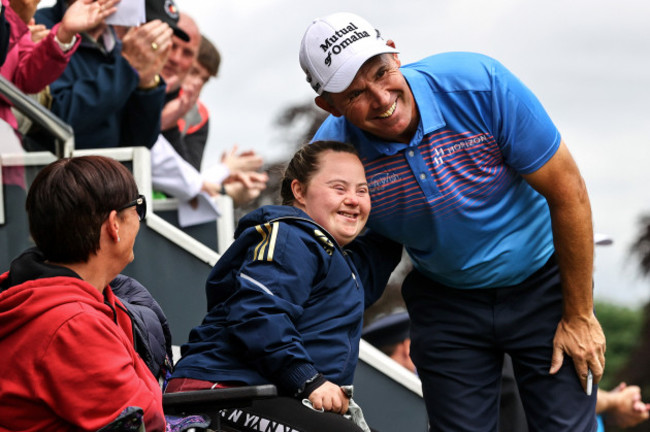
<point x="111" y="93"/>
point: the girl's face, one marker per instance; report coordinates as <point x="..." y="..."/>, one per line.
<point x="337" y="196"/>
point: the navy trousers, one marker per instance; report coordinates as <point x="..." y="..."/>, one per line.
<point x="458" y="340"/>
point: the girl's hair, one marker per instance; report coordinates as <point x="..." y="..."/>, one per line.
<point x="305" y="162"/>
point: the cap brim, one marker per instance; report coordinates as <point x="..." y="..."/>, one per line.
<point x="180" y="33"/>
<point x="343" y="77"/>
<point x="388" y="330"/>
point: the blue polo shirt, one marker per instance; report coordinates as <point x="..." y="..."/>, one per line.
<point x="454" y="195"/>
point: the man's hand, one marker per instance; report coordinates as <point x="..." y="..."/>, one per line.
<point x="583" y="340"/>
<point x="244" y="187"/>
<point x="622" y="406"/>
<point x="84" y="15"/>
<point x="241" y="187"/>
<point x="330" y="397"/>
<point x="210" y="188"/>
<point x="245" y="161"/>
<point x="146" y="48"/>
<point x="250" y="179"/>
<point x="38" y="31"/>
<point x="177" y="108"/>
<point x="25" y="9"/>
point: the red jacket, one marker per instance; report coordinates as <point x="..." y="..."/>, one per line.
<point x="68" y="361"/>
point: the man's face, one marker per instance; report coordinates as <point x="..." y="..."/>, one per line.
<point x="378" y="101"/>
<point x="180" y="60"/>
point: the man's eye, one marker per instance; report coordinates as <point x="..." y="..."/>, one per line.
<point x="354" y="95"/>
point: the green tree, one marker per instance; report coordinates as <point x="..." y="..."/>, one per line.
<point x="622" y="327"/>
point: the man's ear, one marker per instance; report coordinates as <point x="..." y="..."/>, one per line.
<point x="391" y="44"/>
<point x="324" y="105"/>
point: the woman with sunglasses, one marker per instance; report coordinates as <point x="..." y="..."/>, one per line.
<point x="69" y="361"/>
<point x="286" y="300"/>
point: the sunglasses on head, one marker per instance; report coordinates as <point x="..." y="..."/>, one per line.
<point x="140" y="207"/>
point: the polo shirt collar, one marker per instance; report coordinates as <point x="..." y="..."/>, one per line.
<point x="430" y="115"/>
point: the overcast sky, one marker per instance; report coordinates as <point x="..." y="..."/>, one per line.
<point x="587" y="61"/>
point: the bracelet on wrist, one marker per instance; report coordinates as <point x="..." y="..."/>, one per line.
<point x="65" y="46"/>
<point x="154" y="83"/>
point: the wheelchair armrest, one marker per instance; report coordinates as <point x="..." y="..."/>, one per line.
<point x="214" y="400"/>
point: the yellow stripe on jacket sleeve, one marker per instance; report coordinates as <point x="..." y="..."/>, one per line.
<point x="269" y="233"/>
<point x="259" y="250"/>
<point x="274" y="236"/>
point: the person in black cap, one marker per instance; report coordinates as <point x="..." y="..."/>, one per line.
<point x="390" y="335"/>
<point x="167" y="12"/>
<point x="111" y="93"/>
<point x="171" y="172"/>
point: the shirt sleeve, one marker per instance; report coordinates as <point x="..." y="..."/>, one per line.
<point x="375" y="257"/>
<point x="40" y="63"/>
<point x="141" y="119"/>
<point x="525" y="133"/>
<point x="172" y="174"/>
<point x="86" y="100"/>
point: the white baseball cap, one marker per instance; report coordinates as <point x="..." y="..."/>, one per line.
<point x="334" y="48"/>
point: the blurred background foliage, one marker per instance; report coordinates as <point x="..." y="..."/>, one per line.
<point x="622" y="327"/>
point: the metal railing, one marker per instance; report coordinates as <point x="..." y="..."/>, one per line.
<point x="61" y="131"/>
<point x="63" y="135"/>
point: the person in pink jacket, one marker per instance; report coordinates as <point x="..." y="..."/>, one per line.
<point x="32" y="66"/>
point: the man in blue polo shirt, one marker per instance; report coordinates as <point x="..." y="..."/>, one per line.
<point x="468" y="172"/>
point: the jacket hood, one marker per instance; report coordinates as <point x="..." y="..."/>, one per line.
<point x="32" y="287"/>
<point x="268" y="213"/>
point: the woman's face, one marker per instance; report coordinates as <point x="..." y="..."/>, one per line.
<point x="129" y="227"/>
<point x="337" y="196"/>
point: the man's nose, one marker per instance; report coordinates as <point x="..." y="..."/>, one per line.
<point x="379" y="94"/>
<point x="174" y="54"/>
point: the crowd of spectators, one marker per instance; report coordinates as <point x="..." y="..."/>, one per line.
<point x="123" y="86"/>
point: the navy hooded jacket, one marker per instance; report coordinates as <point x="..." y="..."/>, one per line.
<point x="285" y="303"/>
